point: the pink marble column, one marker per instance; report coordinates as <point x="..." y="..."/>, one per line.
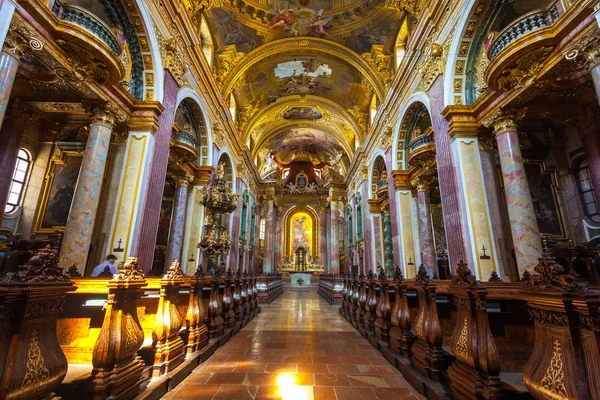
<point x="8" y="71"/>
<point x="334" y="249"/>
<point x="146" y="239"/>
<point x="177" y="222"/>
<point x="323" y="237"/>
<point x="448" y="180"/>
<point x="426" y="230"/>
<point x="80" y="225"/>
<point x="269" y="233"/>
<point x="278" y="242"/>
<point x="523" y="223"/>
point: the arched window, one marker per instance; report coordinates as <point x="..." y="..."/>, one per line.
<point x="582" y="174"/>
<point x="17" y="186"/>
<point x="261" y="234"/>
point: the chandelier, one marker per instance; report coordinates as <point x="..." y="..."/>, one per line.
<point x="218" y="199"/>
<point x="215" y="240"/>
<point x="218" y="196"/>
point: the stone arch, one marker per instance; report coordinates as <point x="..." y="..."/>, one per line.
<point x="190" y="110"/>
<point x="150" y="48"/>
<point x="399" y="145"/>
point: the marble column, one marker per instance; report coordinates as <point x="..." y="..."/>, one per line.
<point x="323" y="236"/>
<point x="80" y="225"/>
<point x="590" y="137"/>
<point x="8" y="71"/>
<point x="523" y="223"/>
<point x="175" y="243"/>
<point x="269" y="234"/>
<point x="426" y="229"/>
<point x="592" y="56"/>
<point x="334" y="253"/>
<point x="10" y="142"/>
<point x="387" y="242"/>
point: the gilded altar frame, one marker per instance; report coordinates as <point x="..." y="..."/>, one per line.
<point x="42" y="208"/>
<point x="315" y="230"/>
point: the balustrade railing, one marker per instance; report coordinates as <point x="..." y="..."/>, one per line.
<point x="90" y="22"/>
<point x="525" y="24"/>
<point x="185" y="137"/>
<point x="420" y="141"/>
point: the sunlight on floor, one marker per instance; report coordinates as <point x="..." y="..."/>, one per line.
<point x="288" y="390"/>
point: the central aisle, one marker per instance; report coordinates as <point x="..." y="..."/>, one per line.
<point x="298" y="348"/>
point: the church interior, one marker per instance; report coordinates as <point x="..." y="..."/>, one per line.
<point x="299" y="199"/>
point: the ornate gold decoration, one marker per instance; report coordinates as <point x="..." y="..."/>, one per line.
<point x="381" y="62"/>
<point x="131" y="337"/>
<point x="103" y="117"/>
<point x="226" y="60"/>
<point x="19" y="46"/>
<point x="175" y="62"/>
<point x="554" y="377"/>
<point x="218" y="135"/>
<point x="83" y="63"/>
<point x="433" y="65"/>
<point x="461" y="344"/>
<point x="37" y="369"/>
<point x="501" y="122"/>
<point x="361" y="118"/>
<point x="525" y="71"/>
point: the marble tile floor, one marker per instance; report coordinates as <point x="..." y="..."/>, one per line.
<point x="298" y="348"/>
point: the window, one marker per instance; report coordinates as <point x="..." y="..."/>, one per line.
<point x="590" y="206"/>
<point x="261" y="234"/>
<point x="17" y="186"/>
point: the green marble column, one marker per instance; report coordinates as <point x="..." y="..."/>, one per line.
<point x="387" y="243"/>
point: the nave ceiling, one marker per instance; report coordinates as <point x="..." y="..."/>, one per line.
<point x="302" y="77"/>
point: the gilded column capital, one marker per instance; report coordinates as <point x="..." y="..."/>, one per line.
<point x="501" y="121"/>
<point x="592" y="54"/>
<point x="421" y="185"/>
<point x="183" y="180"/>
<point x="103" y="117"/>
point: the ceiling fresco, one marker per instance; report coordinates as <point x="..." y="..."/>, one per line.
<point x="300" y="144"/>
<point x="328" y="79"/>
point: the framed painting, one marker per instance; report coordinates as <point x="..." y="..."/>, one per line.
<point x="59" y="189"/>
<point x="543" y="185"/>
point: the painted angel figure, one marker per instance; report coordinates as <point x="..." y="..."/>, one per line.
<point x="319" y="25"/>
<point x="283" y="18"/>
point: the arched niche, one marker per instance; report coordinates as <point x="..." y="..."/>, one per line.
<point x="225" y="160"/>
<point x="301" y="230"/>
<point x="416" y="121"/>
<point x="190" y="124"/>
<point x="379" y="175"/>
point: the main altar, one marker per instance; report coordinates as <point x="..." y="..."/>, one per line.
<point x="301" y="262"/>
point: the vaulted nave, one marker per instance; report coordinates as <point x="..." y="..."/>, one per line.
<point x="299" y="199"/>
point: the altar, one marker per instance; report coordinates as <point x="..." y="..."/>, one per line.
<point x="295" y="276"/>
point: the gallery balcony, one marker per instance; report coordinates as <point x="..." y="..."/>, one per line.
<point x="90" y="22"/>
<point x="184" y="144"/>
<point x="421" y="149"/>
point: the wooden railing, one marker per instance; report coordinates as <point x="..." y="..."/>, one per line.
<point x="115" y="334"/>
<point x="466" y="339"/>
<point x="269" y="286"/>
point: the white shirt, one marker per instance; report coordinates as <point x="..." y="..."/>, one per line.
<point x="98" y="270"/>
